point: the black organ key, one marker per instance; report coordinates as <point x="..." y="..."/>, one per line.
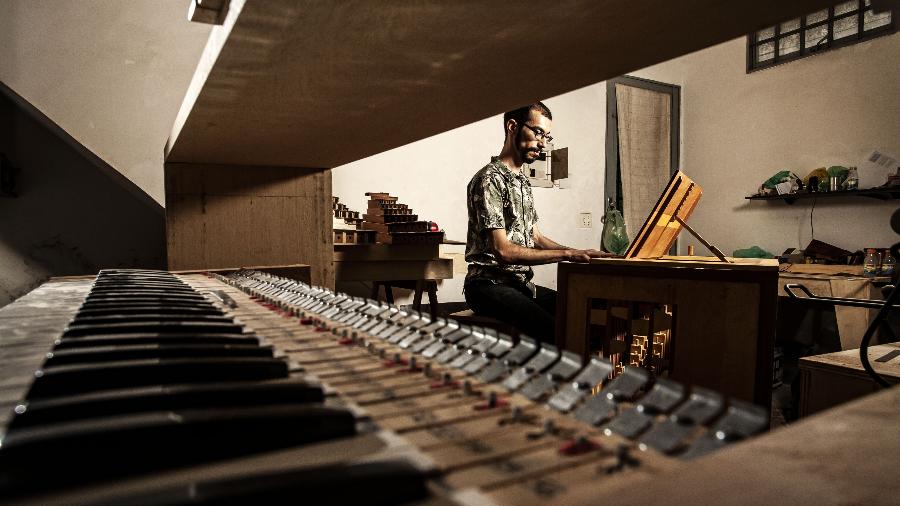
<point x="52" y="456"/>
<point x="74" y="379"/>
<point x="664" y="395"/>
<point x="164" y="398"/>
<point x="565" y="369"/>
<point x="545" y="358"/>
<point x="570" y="394"/>
<point x="521" y="353"/>
<point x="667" y="436"/>
<point x="740" y="421"/>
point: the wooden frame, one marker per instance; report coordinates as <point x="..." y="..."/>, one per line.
<point x="662" y="226"/>
<point x="612" y="131"/>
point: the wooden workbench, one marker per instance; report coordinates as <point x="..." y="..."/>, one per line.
<point x="414" y="266"/>
<point x="844" y="281"/>
<point x="723" y="315"/>
<point x="835" y="378"/>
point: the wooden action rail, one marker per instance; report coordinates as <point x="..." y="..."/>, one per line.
<point x="667" y="218"/>
<point x="479" y="435"/>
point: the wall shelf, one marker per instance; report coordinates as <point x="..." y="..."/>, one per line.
<point x="875" y="193"/>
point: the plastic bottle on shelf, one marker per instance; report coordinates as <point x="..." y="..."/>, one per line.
<point x="852" y="181"/>
<point x="888" y="264"/>
<point x="870" y="263"/>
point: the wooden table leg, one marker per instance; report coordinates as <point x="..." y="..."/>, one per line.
<point x="417" y="295"/>
<point x="432" y="297"/>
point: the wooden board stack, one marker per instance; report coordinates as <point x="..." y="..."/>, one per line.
<point x="346" y="225"/>
<point x="395" y="223"/>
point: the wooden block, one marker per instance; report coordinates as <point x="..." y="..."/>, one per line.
<point x="386" y="228"/>
<point x="386" y="205"/>
<point x="410" y="238"/>
<point x="390" y="218"/>
<point x="381" y="196"/>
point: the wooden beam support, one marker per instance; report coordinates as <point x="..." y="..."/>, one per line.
<point x="222" y="216"/>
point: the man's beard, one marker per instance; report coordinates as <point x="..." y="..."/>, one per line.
<point x="528" y="155"/>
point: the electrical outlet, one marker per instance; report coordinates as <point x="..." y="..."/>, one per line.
<point x="585" y="220"/>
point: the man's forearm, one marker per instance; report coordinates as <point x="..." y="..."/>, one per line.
<point x="544" y="242"/>
<point x="515" y="254"/>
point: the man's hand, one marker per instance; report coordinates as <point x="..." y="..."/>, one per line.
<point x="577" y="255"/>
<point x="585" y="255"/>
<point x="594" y="253"/>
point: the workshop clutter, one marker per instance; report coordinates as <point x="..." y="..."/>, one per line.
<point x="345" y="224"/>
<point x="395" y="223"/>
<point x="835" y="178"/>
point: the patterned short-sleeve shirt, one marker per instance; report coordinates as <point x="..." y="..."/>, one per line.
<point x="498" y="197"/>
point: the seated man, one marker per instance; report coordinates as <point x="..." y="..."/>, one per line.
<point x="503" y="239"/>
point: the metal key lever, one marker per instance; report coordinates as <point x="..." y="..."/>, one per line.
<point x="542" y="362"/>
<point x="571" y="394"/>
<point x="568" y="366"/>
<point x="664" y="396"/>
<point x="739" y="422"/>
<point x="668" y="436"/>
<point x="503" y="345"/>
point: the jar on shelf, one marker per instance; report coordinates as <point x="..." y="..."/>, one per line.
<point x="852" y="181"/>
<point x="888" y="264"/>
<point x="871" y="263"/>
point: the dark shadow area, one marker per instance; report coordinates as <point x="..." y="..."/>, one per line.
<point x="805" y="330"/>
<point x="72" y="214"/>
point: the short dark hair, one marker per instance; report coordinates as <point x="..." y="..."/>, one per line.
<point x="521" y="114"/>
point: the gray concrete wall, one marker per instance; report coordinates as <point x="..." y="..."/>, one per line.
<point x="74" y="214"/>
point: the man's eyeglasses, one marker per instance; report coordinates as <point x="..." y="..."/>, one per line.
<point x="539" y="133"/>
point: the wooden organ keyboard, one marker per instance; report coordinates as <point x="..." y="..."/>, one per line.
<point x="170" y="388"/>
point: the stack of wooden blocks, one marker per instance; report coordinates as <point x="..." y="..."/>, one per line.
<point x="346" y="225"/>
<point x="395" y="223"/>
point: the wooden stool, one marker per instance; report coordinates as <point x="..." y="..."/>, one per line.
<point x="418" y="286"/>
<point x="467" y="317"/>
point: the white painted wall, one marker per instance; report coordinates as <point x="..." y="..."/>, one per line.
<point x="737" y="130"/>
<point x="111" y="73"/>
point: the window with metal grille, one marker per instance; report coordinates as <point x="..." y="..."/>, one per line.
<point x="841" y="25"/>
